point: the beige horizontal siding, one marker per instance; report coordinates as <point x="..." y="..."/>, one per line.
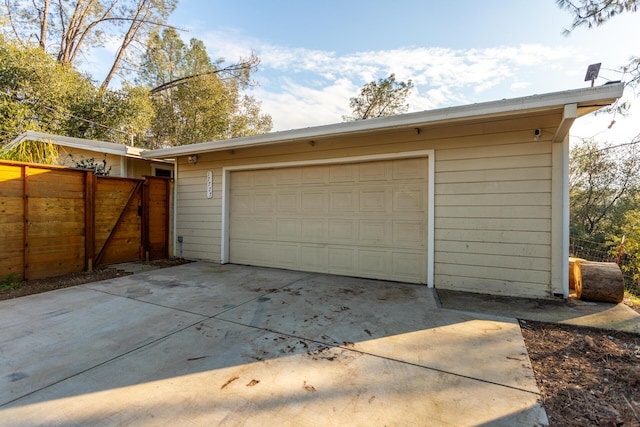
<point x="493" y="260"/>
<point x="499" y="274"/>
<point x="515" y="249"/>
<point x="199" y="219"/>
<point x="497" y="187"/>
<point x="492" y="198"/>
<point x="514" y="212"/>
<point x="493" y="219"/>
<point x="495" y="199"/>
<point x="493" y="286"/>
<point x="508" y="224"/>
<point x="495" y="175"/>
<point x="494" y="236"/>
<point x="494" y="163"/>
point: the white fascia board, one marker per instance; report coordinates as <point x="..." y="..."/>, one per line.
<point x="598" y="96"/>
<point x="79" y="143"/>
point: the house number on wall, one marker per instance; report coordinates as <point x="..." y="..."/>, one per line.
<point x="209" y="185"/>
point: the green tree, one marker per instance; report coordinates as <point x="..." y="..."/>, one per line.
<point x="38" y="93"/>
<point x="630" y="230"/>
<point x="593" y="13"/>
<point x="603" y="184"/>
<point x="194" y="98"/>
<point x="68" y="29"/>
<point x="385" y="97"/>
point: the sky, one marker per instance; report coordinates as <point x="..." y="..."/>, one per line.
<point x="316" y="55"/>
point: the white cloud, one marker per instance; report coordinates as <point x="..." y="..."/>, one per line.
<point x="520" y="85"/>
<point x="305" y="87"/>
<point x="299" y="106"/>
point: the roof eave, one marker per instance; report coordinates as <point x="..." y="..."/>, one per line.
<point x="79" y="143"/>
<point x="586" y="99"/>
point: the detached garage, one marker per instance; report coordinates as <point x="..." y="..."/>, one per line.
<point x="471" y="198"/>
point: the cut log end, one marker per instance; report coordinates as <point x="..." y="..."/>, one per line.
<point x="599" y="281"/>
<point x="575" y="277"/>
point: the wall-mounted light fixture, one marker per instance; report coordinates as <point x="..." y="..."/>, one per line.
<point x="193" y="159"/>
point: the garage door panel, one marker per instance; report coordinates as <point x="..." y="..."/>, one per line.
<point x="263" y="202"/>
<point x="288" y="176"/>
<point x="288" y="201"/>
<point x="408" y="266"/>
<point x="409" y="199"/>
<point x="242" y="179"/>
<point x="409" y="169"/>
<point x="242" y="227"/>
<point x="374" y="232"/>
<point x="315" y="175"/>
<point x="375" y="200"/>
<point x="263" y="253"/>
<point x="263" y="229"/>
<point x="361" y="219"/>
<point x="408" y="233"/>
<point x="374" y="263"/>
<point x="315" y="201"/>
<point x="342" y="260"/>
<point x="287" y="255"/>
<point x="343" y="173"/>
<point x="315" y="230"/>
<point x="264" y="178"/>
<point x="314" y="258"/>
<point x="242" y="202"/>
<point x="342" y="231"/>
<point x="241" y="252"/>
<point x="341" y="201"/>
<point x="288" y="229"/>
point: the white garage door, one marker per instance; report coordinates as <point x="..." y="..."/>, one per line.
<point x="358" y="219"/>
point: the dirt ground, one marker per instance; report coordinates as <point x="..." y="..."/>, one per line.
<point x="587" y="377"/>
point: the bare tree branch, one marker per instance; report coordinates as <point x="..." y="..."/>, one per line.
<point x="12" y="22"/>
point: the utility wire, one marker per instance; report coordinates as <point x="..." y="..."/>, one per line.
<point x="611" y="147"/>
<point x="42" y="103"/>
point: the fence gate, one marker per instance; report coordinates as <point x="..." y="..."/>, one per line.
<point x="118" y="220"/>
<point x="131" y="219"/>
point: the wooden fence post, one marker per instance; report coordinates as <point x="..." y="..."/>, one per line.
<point x="89" y="219"/>
<point x="25" y="222"/>
<point x="145" y="220"/>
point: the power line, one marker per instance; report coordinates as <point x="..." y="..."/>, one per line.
<point x="611" y="147"/>
<point x="42" y="103"/>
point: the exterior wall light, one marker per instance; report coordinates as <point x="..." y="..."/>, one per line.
<point x="193" y="159"/>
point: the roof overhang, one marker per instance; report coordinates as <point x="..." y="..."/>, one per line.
<point x="586" y="100"/>
<point x="79" y="143"/>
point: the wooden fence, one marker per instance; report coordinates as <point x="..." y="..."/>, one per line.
<point x="57" y="220"/>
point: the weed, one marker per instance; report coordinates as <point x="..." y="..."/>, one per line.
<point x="9" y="281"/>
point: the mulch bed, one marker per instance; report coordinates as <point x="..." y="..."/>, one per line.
<point x="586" y="376"/>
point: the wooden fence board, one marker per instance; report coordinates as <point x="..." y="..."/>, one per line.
<point x="70" y="214"/>
<point x="11" y="264"/>
<point x="156" y="216"/>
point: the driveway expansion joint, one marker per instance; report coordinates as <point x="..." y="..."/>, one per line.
<point x="349" y="347"/>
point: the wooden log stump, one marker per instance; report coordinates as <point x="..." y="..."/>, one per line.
<point x="575" y="277"/>
<point x="601" y="281"/>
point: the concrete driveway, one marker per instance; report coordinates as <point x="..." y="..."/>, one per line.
<point x="203" y="344"/>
